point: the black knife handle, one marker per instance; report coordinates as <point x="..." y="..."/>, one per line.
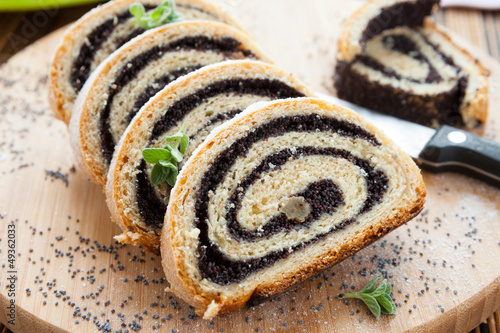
<point x="451" y="149"/>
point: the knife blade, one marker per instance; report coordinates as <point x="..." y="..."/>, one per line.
<point x="478" y="4"/>
<point x="438" y="150"/>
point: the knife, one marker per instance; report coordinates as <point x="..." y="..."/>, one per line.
<point x="478" y="4"/>
<point x="437" y="150"/>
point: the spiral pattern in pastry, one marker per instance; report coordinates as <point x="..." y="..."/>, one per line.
<point x="393" y="60"/>
<point x="96" y="35"/>
<point x="129" y="77"/>
<point x="283" y="190"/>
<point x="203" y="100"/>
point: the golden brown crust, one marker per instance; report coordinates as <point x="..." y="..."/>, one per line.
<point x="335" y="257"/>
<point x="479" y="109"/>
<point x="132" y="233"/>
<point x="55" y="96"/>
<point x="76" y="126"/>
<point x="209" y="306"/>
<point x="347" y="51"/>
<point x="60" y="104"/>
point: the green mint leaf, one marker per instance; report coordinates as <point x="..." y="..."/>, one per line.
<point x="168" y="165"/>
<point x="388" y="289"/>
<point x="176" y="154"/>
<point x="384" y="311"/>
<point x="372" y="304"/>
<point x="380" y="290"/>
<point x="137" y="9"/>
<point x="175" y="17"/>
<point x="370" y="287"/>
<point x="184" y="143"/>
<point x="148" y="23"/>
<point x="159" y="174"/>
<point x="180" y="137"/>
<point x="386" y="304"/>
<point x="163" y="14"/>
<point x="166" y="159"/>
<point x="154" y="155"/>
<point x="377" y="298"/>
<point x="156" y="14"/>
<point x="172" y="178"/>
<point x="176" y="137"/>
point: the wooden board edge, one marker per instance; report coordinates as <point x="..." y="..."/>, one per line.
<point x="25" y="321"/>
<point x="467" y="315"/>
<point x="461" y="318"/>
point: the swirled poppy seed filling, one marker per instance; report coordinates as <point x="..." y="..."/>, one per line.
<point x="354" y="86"/>
<point x="158" y="85"/>
<point x="404" y="45"/>
<point x="82" y="64"/>
<point x="399" y="14"/>
<point x="226" y="45"/>
<point x="259" y="87"/>
<point x="324" y="196"/>
<point x="403" y="65"/>
<point x="153" y="210"/>
<point x="217" y="119"/>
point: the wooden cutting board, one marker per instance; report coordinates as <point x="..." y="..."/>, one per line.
<point x="445" y="264"/>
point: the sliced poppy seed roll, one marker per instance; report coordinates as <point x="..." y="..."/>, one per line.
<point x="96" y="35"/>
<point x="394" y="60"/>
<point x="129" y="77"/>
<point x="277" y="194"/>
<point x="201" y="100"/>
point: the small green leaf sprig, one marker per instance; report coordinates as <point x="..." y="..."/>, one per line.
<point x="378" y="299"/>
<point x="166" y="159"/>
<point x="163" y="14"/>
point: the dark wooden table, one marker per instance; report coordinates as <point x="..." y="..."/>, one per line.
<point x="20" y="29"/>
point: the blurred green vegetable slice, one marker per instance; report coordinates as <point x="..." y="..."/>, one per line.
<point x="22" y="5"/>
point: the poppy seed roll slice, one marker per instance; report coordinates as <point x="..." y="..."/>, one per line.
<point x="393" y="59"/>
<point x="282" y="191"/>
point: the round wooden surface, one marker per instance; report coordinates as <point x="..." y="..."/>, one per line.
<point x="72" y="276"/>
